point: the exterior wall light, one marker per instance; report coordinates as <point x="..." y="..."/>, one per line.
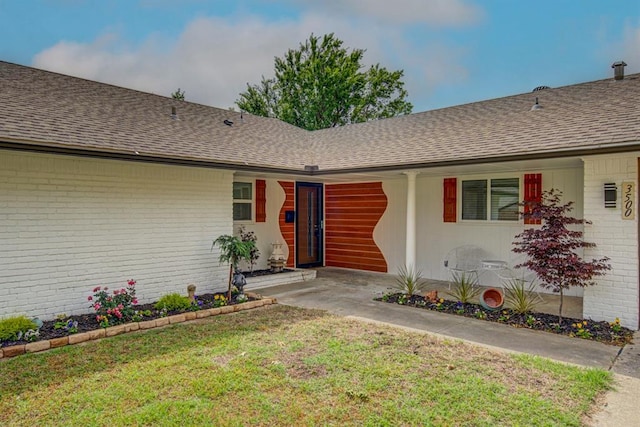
<point x="610" y="195"/>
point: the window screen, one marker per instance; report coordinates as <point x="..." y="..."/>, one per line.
<point x="474" y="199"/>
<point x="505" y="196"/>
<point x="242" y="200"/>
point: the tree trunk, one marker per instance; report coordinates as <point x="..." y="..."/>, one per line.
<point x="230" y="278"/>
<point x="560" y="311"/>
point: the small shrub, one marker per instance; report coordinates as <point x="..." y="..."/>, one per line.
<point x="465" y="287"/>
<point x="521" y="296"/>
<point x="615" y="326"/>
<point x="254" y="252"/>
<point x="173" y="302"/>
<point x="409" y="282"/>
<point x="139" y="315"/>
<point x="581" y="330"/>
<point x="219" y="300"/>
<point x="30" y="335"/>
<point x="116" y="307"/>
<point x="504" y="317"/>
<point x="64" y="322"/>
<point x="14" y="328"/>
<point x="531" y="320"/>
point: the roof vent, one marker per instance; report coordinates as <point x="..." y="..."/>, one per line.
<point x="174" y="113"/>
<point x="618" y="70"/>
<point x="228" y="122"/>
<point x="540" y="88"/>
<point x="536" y="106"/>
<point x="311" y="168"/>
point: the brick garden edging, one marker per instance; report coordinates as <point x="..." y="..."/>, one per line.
<point x="37" y="346"/>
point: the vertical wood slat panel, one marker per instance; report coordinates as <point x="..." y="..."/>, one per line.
<point x="288" y="228"/>
<point x="450" y="213"/>
<point x="261" y="200"/>
<point x="532" y="194"/>
<point x="366" y="204"/>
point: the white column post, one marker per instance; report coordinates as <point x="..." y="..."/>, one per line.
<point x="410" y="251"/>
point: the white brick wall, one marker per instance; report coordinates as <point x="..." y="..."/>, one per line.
<point x="616" y="294"/>
<point x="68" y="224"/>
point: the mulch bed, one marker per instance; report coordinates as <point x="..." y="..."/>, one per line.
<point x="587" y="329"/>
<point x="88" y="322"/>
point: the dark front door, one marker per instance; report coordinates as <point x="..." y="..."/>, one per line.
<point x="309" y="224"/>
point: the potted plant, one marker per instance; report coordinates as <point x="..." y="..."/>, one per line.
<point x="232" y="251"/>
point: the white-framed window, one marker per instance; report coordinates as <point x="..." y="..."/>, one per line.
<point x="242" y="201"/>
<point x="493" y="199"/>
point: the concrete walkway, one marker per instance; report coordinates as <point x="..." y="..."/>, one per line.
<point x="351" y="293"/>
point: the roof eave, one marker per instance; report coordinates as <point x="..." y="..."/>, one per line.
<point x="538" y="155"/>
<point x="144" y="158"/>
<point x="612" y="148"/>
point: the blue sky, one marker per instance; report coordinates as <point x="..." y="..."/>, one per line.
<point x="452" y="51"/>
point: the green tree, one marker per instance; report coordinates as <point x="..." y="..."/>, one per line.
<point x="178" y="94"/>
<point x="322" y="84"/>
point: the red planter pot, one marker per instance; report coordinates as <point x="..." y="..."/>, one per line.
<point x="491" y="299"/>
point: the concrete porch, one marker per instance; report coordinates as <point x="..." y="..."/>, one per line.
<point x="381" y="283"/>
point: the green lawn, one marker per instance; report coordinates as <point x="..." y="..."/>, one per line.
<point x="285" y="366"/>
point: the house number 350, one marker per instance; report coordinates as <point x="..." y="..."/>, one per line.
<point x="628" y="200"/>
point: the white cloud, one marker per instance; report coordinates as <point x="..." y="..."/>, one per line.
<point x="214" y="58"/>
<point x="432" y="12"/>
<point x="211" y="60"/>
<point x="440" y="65"/>
<point x="631" y="48"/>
<point x="614" y="46"/>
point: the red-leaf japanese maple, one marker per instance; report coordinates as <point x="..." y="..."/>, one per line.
<point x="551" y="248"/>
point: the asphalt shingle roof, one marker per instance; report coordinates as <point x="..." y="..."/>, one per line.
<point x="583" y="116"/>
<point x="52" y="110"/>
<point x="41" y="107"/>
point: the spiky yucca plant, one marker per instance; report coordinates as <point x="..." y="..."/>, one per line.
<point x="520" y="295"/>
<point x="465" y="287"/>
<point x="409" y="281"/>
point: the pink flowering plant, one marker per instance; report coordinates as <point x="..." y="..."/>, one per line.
<point x="115" y="307"/>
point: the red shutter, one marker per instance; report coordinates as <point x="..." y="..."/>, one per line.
<point x="532" y="194"/>
<point x="449" y="200"/>
<point x="261" y="200"/>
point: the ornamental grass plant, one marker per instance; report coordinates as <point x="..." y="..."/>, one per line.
<point x="464" y="287"/>
<point x="409" y="281"/>
<point x="521" y="295"/>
